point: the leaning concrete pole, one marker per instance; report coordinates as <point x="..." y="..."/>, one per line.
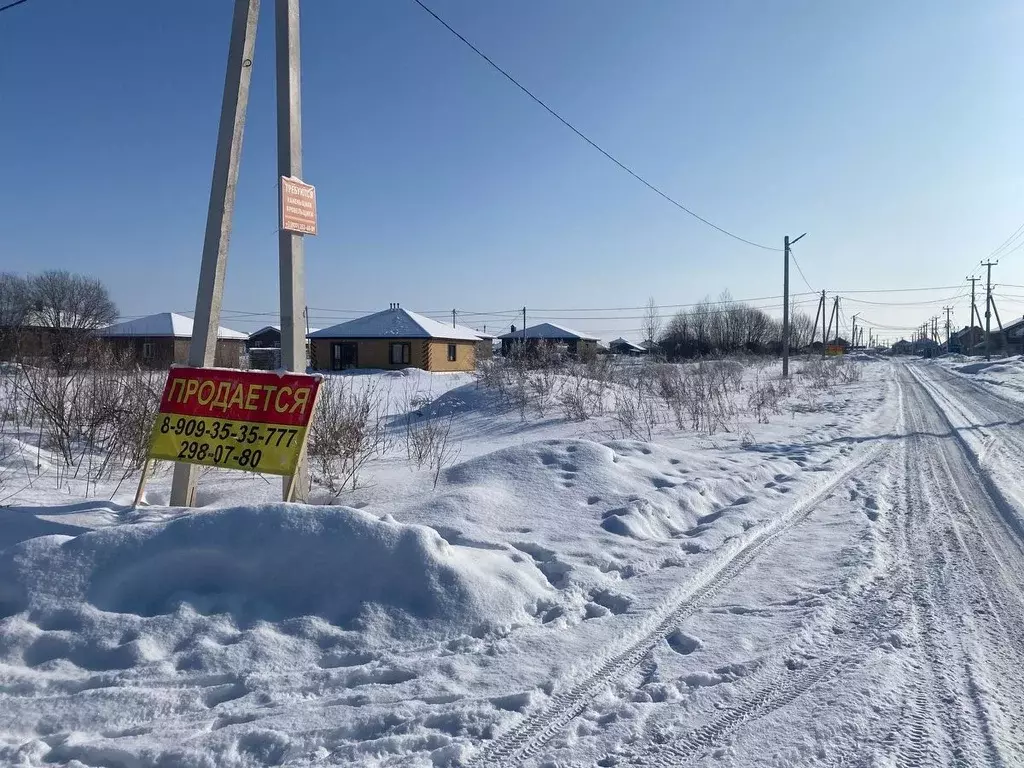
<point x="203" y="349"/>
<point x="290" y="244"/>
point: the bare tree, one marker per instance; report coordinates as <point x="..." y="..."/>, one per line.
<point x="67" y="301"/>
<point x="651" y="323"/>
<point x="801" y="327"/>
<point x="69" y="305"/>
<point x="15" y="302"/>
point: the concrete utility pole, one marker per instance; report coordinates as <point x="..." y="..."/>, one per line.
<point x="853" y="340"/>
<point x="524" y="325"/>
<point x="974" y="304"/>
<point x="834" y="315"/>
<point x="203" y="349"/>
<point x="949" y="324"/>
<point x="988" y="308"/>
<point x="291" y="247"/>
<point x="819" y="312"/>
<point x="453" y="318"/>
<point x="785" y="304"/>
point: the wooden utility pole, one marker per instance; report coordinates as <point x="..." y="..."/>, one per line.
<point x="203" y="348"/>
<point x="988" y="308"/>
<point x="453" y="318"/>
<point x="291" y="247"/>
<point x="949" y="325"/>
<point x="524" y="325"/>
<point x="785" y="303"/>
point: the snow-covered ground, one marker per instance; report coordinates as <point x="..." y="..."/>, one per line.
<point x="840" y="586"/>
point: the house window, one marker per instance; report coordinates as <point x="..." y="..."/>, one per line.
<point x="399" y="353"/>
<point x="147" y="350"/>
<point x="452" y="350"/>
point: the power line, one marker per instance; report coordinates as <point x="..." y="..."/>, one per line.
<point x="585" y="138"/>
<point x="670" y="306"/>
<point x="1017" y="247"/>
<point x="903" y="290"/>
<point x="11" y="5"/>
<point x="1017" y="233"/>
<point x="797" y="263"/>
<point x="901" y="303"/>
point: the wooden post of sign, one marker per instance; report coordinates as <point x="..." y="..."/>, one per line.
<point x="142" y="483"/>
<point x="299" y="476"/>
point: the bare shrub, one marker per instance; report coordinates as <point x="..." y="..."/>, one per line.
<point x="574" y="401"/>
<point x="490" y="374"/>
<point x="583" y="389"/>
<point x="766" y="395"/>
<point x="670" y="386"/>
<point x="55" y="396"/>
<point x="825" y="373"/>
<point x="636" y="413"/>
<point x="525" y="379"/>
<point x="818" y="372"/>
<point x="700" y="395"/>
<point x="848" y="372"/>
<point x="446" y="450"/>
<point x="708" y="402"/>
<point x="422" y="436"/>
<point x="97" y="421"/>
<point x="349" y="428"/>
<point x="429" y="442"/>
<point x="542" y="385"/>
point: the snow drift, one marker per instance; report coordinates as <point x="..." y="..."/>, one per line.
<point x="271" y="563"/>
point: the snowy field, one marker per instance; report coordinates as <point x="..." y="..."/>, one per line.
<point x="539" y="571"/>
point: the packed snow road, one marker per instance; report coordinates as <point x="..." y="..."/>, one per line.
<point x="914" y="660"/>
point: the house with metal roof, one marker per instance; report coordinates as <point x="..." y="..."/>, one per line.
<point x="395" y="338"/>
<point x="621" y="346"/>
<point x="576" y="344"/>
<point x="163" y="339"/>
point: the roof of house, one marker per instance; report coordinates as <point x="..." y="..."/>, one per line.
<point x="967" y="331"/>
<point x="621" y="342"/>
<point x="163" y="324"/>
<point x="548" y="331"/>
<point x="277" y="328"/>
<point x="395" y="323"/>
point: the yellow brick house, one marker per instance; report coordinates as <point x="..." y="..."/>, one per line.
<point x="394" y="338"/>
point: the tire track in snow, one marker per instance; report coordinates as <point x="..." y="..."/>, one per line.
<point x="768" y="698"/>
<point x="536" y="730"/>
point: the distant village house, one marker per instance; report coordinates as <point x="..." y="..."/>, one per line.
<point x="576" y="344"/>
<point x="163" y="339"/>
<point x="396" y="338"/>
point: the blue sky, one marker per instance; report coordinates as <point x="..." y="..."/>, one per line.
<point x="888" y="131"/>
